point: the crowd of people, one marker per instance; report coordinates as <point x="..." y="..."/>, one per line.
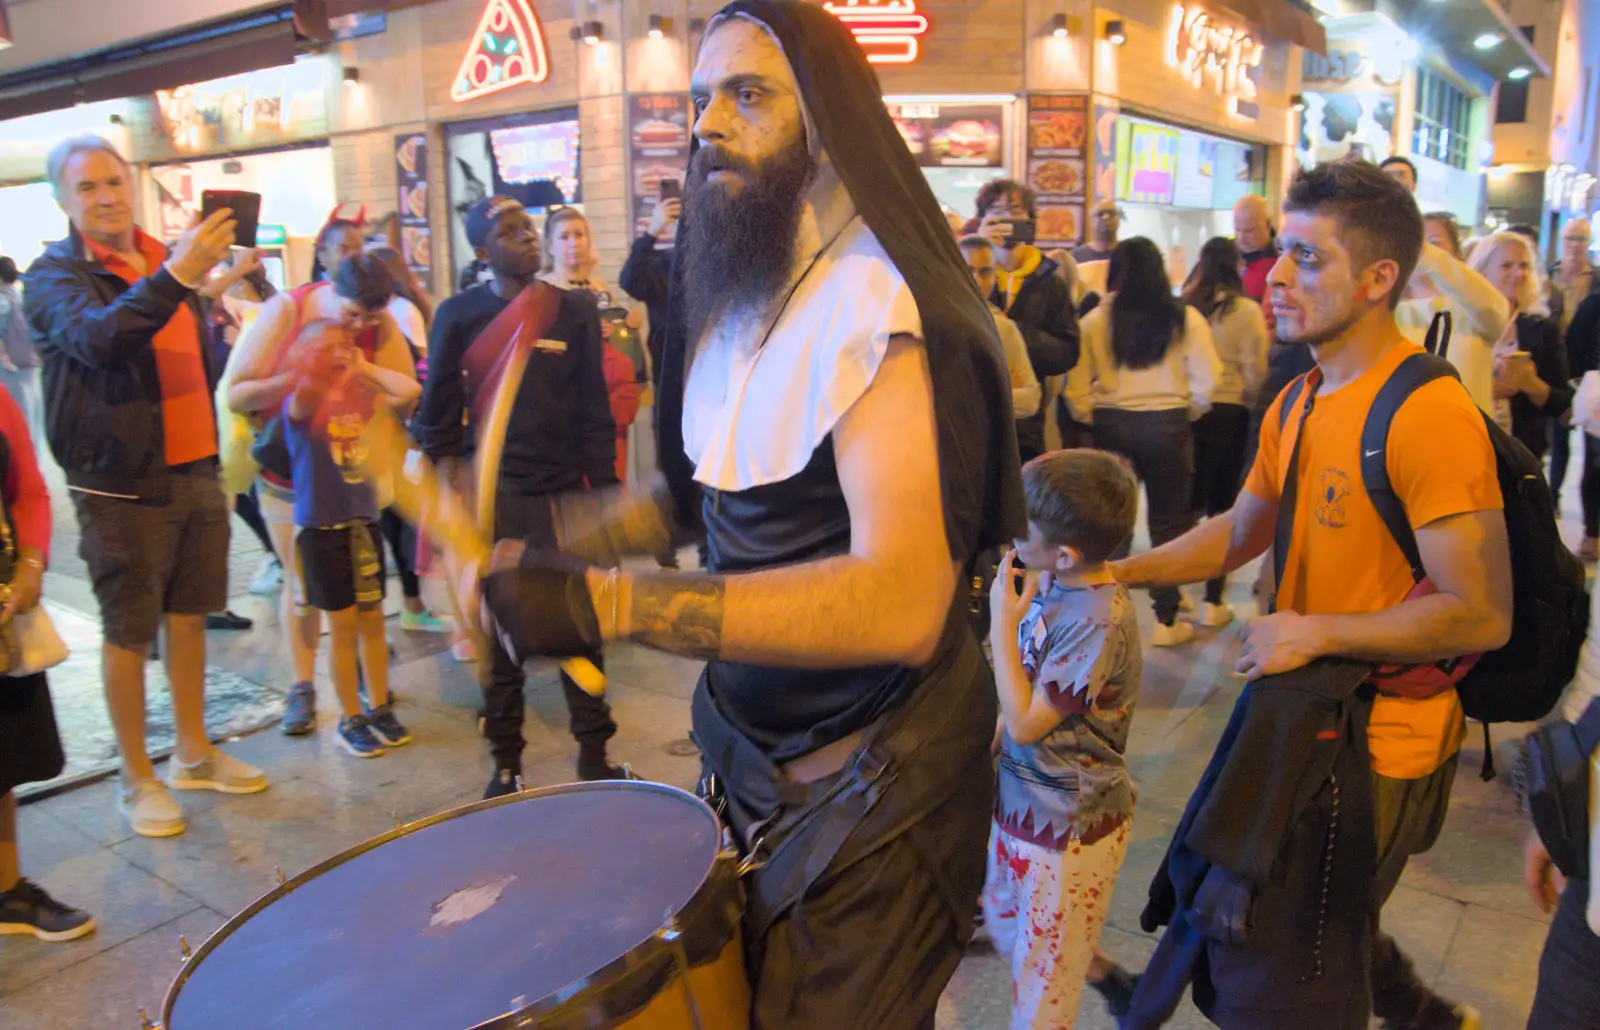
<point x="851" y="432"/>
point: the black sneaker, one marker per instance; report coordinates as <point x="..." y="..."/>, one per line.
<point x="1117" y="989"/>
<point x="592" y="764"/>
<point x="388" y="728"/>
<point x="228" y="619"/>
<point x="26" y="908"/>
<point x="503" y="783"/>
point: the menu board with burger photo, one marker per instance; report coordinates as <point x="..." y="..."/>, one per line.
<point x="658" y="142"/>
<point x="411" y="170"/>
<point x="1058" y="168"/>
<point x="952" y="135"/>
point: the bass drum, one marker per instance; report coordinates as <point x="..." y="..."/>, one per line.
<point x="567" y="907"/>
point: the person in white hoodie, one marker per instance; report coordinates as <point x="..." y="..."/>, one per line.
<point x="1148" y="368"/>
<point x="1479" y="314"/>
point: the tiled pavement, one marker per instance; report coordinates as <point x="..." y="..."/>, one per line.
<point x="1460" y="910"/>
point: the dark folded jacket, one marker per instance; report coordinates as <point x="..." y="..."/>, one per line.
<point x="1266" y="885"/>
<point x="1044" y="312"/>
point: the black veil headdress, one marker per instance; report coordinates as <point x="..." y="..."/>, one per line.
<point x="978" y="464"/>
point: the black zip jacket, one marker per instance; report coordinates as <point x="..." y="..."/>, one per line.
<point x="102" y="391"/>
<point x="1044" y="311"/>
<point x="645" y="276"/>
<point x="561" y="433"/>
<point x="1266" y="887"/>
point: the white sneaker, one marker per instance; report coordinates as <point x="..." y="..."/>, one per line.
<point x="1215" y="615"/>
<point x="463" y="651"/>
<point x="269" y="579"/>
<point x="151" y="810"/>
<point x="1173" y="635"/>
<point x="218" y="771"/>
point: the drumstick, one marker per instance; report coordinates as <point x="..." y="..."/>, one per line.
<point x="491" y="447"/>
<point x="439" y="513"/>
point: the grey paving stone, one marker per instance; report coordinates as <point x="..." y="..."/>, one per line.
<point x="1493" y="965"/>
<point x="125" y="900"/>
<point x="226" y="858"/>
<point x="106" y="990"/>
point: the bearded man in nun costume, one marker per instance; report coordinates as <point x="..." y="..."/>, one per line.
<point x="835" y="419"/>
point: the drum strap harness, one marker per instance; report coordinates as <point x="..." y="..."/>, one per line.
<point x="792" y="833"/>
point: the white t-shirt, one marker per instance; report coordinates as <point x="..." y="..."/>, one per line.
<point x="409" y="319"/>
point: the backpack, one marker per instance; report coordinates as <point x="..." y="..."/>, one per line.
<point x="1523" y="680"/>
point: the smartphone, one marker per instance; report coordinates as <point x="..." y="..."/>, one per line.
<point x="671" y="189"/>
<point x="1023" y="230"/>
<point x="246" y="208"/>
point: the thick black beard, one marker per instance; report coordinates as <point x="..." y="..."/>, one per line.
<point x="736" y="246"/>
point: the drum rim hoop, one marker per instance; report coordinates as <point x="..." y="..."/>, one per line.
<point x="300" y="879"/>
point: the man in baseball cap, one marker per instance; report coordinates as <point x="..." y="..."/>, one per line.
<point x="560" y="437"/>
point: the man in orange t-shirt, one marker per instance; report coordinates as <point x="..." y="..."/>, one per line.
<point x="130" y="420"/>
<point x="1350" y="240"/>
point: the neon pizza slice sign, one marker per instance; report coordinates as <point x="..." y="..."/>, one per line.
<point x="507" y="50"/>
<point x="887" y="30"/>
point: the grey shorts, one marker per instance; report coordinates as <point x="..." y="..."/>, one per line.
<point x="149" y="560"/>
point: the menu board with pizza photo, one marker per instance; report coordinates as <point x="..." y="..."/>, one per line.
<point x="411" y="172"/>
<point x="658" y="144"/>
<point x="1058" y="165"/>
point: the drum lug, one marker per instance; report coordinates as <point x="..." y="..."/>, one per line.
<point x="628" y="773"/>
<point x="753" y="861"/>
<point x="277" y="874"/>
<point x="396" y="817"/>
<point x="144" y="1021"/>
<point x="184" y="950"/>
<point x="672" y="937"/>
<point x="517" y="783"/>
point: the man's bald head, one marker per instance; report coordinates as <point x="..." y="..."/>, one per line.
<point x="1576" y="237"/>
<point x="1252" y="227"/>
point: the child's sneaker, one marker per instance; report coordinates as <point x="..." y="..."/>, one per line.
<point x="388" y="728"/>
<point x="355" y="733"/>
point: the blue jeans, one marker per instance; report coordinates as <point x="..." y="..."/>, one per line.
<point x="1569" y="970"/>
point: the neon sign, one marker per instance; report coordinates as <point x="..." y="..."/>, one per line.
<point x="886" y="29"/>
<point x="1200" y="49"/>
<point x="507" y="50"/>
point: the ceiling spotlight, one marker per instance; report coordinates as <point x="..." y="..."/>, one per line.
<point x="1488" y="41"/>
<point x="1297" y="102"/>
<point x="1058" y="26"/>
<point x="1114" y="33"/>
<point x="352" y="76"/>
<point x="1519" y="73"/>
<point x="659" y="26"/>
<point x="591" y="32"/>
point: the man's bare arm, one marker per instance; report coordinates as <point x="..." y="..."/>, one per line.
<point x="1468" y="560"/>
<point x="254" y="384"/>
<point x="884" y="602"/>
<point x="1214" y="548"/>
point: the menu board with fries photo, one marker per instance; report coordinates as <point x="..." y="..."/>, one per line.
<point x="1058" y="169"/>
<point x="411" y="171"/>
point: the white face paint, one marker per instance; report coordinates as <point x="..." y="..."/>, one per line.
<point x="745" y="96"/>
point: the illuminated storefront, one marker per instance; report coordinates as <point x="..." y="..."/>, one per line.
<point x="1191" y="111"/>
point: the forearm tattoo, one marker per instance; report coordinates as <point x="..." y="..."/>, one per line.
<point x="680" y="614"/>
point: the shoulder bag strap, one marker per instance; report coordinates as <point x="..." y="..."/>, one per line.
<point x="1283" y="531"/>
<point x="1439" y="330"/>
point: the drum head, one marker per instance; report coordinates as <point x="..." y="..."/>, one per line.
<point x="458" y="920"/>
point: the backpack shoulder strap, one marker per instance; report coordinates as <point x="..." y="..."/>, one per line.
<point x="1412" y="374"/>
<point x="1291" y="394"/>
<point x="1439" y="330"/>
